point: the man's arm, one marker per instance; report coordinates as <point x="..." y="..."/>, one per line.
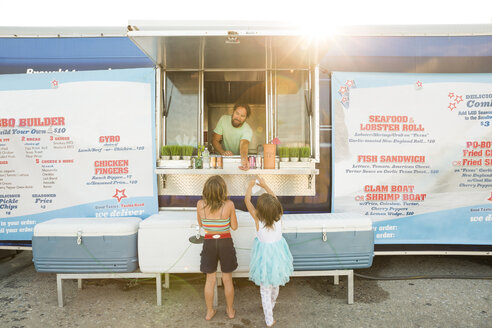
<point x="243" y="150"/>
<point x="218" y="147"/>
<point x="217" y="137"/>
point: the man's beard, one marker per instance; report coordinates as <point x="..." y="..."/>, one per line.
<point x="236" y="123"/>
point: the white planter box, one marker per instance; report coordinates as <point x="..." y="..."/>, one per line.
<point x="175" y="164"/>
<point x="284" y="165"/>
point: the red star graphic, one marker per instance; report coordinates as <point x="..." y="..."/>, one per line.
<point x="458" y="99"/>
<point x="119" y="195"/>
<point x="452" y="106"/>
<point x="344" y="99"/>
<point x="451" y="95"/>
<point x="419" y="84"/>
<point x="349" y="83"/>
<point x="54" y="83"/>
<point x="342" y="90"/>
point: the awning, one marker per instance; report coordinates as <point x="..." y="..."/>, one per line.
<point x="279" y="45"/>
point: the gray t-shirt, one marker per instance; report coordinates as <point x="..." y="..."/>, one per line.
<point x="232" y="136"/>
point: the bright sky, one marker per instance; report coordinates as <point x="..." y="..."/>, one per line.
<point x="353" y="12"/>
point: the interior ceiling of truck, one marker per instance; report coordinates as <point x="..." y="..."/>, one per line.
<point x="234" y="86"/>
<point x="235" y="92"/>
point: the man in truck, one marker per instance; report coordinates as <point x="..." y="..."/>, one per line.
<point x="235" y="134"/>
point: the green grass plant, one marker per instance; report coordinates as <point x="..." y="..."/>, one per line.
<point x="166" y="150"/>
<point x="283" y="152"/>
<point x="175" y="150"/>
<point x="187" y="150"/>
<point x="294" y="152"/>
<point x="305" y="152"/>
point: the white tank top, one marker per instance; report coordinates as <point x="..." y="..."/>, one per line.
<point x="270" y="235"/>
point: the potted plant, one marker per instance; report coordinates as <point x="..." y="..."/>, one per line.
<point x="305" y="154"/>
<point x="166" y="152"/>
<point x="187" y="151"/>
<point x="283" y="153"/>
<point x="175" y="152"/>
<point x="199" y="159"/>
<point x="294" y="154"/>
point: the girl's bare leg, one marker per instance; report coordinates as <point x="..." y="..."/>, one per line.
<point x="209" y="295"/>
<point x="229" y="294"/>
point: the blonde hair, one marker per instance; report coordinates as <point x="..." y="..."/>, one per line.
<point x="214" y="192"/>
<point x="268" y="209"/>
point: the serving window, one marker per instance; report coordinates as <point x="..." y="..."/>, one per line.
<point x="222" y="90"/>
<point x="276" y="77"/>
<point x="281" y="105"/>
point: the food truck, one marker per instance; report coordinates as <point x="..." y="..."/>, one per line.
<point x="393" y="122"/>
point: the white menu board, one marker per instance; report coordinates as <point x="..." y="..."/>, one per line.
<point x="78" y="144"/>
<point x="413" y="152"/>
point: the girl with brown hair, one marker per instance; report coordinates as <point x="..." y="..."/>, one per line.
<point x="217" y="215"/>
<point x="271" y="261"/>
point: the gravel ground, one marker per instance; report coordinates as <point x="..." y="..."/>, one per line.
<point x="29" y="299"/>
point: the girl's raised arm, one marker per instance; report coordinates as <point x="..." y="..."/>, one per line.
<point x="249" y="205"/>
<point x="263" y="184"/>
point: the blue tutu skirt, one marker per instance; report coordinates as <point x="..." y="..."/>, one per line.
<point x="271" y="263"/>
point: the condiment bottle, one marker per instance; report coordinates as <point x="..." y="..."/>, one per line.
<point x="206" y="159"/>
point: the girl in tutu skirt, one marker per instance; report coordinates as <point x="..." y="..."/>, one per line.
<point x="271" y="261"/>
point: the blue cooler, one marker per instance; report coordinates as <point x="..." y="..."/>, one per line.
<point x="329" y="241"/>
<point x="86" y="245"/>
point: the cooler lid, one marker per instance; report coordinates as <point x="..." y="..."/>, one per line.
<point x="326" y="222"/>
<point x="170" y="219"/>
<point x="69" y="227"/>
<point x="186" y="219"/>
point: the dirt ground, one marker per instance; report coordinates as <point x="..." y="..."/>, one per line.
<point x="29" y="299"/>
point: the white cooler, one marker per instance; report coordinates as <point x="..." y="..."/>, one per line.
<point x="325" y="241"/>
<point x="86" y="245"/>
<point x="329" y="241"/>
<point x="164" y="245"/>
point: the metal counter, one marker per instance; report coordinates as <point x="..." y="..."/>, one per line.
<point x="295" y="181"/>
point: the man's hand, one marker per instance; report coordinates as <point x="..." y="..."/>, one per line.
<point x="244" y="164"/>
<point x="227" y="153"/>
<point x="243" y="150"/>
